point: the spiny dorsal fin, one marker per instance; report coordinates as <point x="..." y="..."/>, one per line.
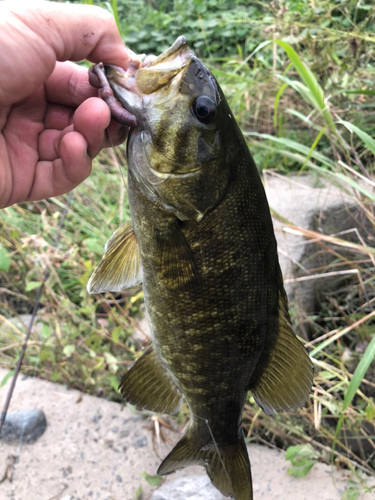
<point x="148" y="386"/>
<point x="176" y="257"/>
<point x="286" y="382"/>
<point x="120" y="267"/>
<point x="227" y="466"/>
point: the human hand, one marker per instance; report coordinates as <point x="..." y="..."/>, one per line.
<point x="51" y="122"/>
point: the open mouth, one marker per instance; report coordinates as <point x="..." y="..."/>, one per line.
<point x="123" y="91"/>
<point x="165" y="67"/>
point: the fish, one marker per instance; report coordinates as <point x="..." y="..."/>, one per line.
<point x="201" y="241"/>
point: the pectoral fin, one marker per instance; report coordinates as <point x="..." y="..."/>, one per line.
<point x="286" y="382"/>
<point x="120" y="267"/>
<point x="148" y="386"/>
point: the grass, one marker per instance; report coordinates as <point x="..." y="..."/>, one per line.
<point x="299" y="77"/>
<point x="84" y="340"/>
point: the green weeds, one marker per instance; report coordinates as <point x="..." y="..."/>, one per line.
<point x="82" y="340"/>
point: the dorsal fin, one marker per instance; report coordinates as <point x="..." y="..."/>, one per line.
<point x="286" y="382"/>
<point x="120" y="267"/>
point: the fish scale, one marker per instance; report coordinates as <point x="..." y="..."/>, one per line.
<point x="208" y="296"/>
<point x="201" y="241"/>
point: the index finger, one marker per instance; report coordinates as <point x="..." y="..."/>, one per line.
<point x="69" y="85"/>
<point x="36" y="34"/>
<point x="74" y="31"/>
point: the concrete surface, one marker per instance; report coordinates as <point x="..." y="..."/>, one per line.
<point x="95" y="449"/>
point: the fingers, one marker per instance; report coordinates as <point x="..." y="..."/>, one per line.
<point x="35" y="36"/>
<point x="58" y="116"/>
<point x="69" y="85"/>
<point x="74" y="31"/>
<point x="57" y="175"/>
<point x="91" y="120"/>
<point x="53" y="178"/>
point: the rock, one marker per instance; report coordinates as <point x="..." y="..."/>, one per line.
<point x="191" y="487"/>
<point x="21" y="324"/>
<point x="352" y="225"/>
<point x="140" y="442"/>
<point x="28" y="424"/>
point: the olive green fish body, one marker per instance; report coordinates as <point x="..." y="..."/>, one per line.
<point x="214" y="332"/>
<point x="202" y="243"/>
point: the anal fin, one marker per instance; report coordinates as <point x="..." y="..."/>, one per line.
<point x="148" y="386"/>
<point x="286" y="382"/>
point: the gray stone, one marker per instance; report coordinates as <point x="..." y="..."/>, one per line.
<point x="140" y="442"/>
<point x="21" y="323"/>
<point x="351" y="224"/>
<point x="28" y="424"/>
<point x="188" y="488"/>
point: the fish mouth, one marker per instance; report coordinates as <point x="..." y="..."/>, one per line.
<point x="131" y="87"/>
<point x="166" y="66"/>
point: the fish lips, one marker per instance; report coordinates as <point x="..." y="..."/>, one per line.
<point x="134" y="88"/>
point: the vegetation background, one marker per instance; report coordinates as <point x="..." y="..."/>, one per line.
<point x="299" y="76"/>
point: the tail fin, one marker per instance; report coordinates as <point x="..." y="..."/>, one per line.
<point x="228" y="467"/>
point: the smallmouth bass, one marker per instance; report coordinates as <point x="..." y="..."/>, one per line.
<point x="201" y="241"/>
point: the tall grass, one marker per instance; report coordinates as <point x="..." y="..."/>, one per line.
<point x="341" y="417"/>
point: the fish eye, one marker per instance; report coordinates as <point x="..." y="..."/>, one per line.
<point x="204" y="109"/>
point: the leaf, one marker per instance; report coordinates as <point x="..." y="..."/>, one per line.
<point x="370" y="411"/>
<point x="301" y="470"/>
<point x="4" y="260"/>
<point x="303" y="458"/>
<point x="300" y="451"/>
<point x="46" y="331"/>
<point x="138" y="493"/>
<point x="116" y="332"/>
<point x="55" y="376"/>
<point x="31" y="285"/>
<point x="367" y="358"/>
<point x="152" y="480"/>
<point x="114" y="383"/>
<point x="350" y="494"/>
<point x="367" y="139"/>
<point x="358" y="376"/>
<point x="136" y="297"/>
<point x="69" y="349"/>
<point x="296" y="146"/>
<point x="45" y="354"/>
<point x="315" y="93"/>
<point x="6" y="378"/>
<point x="276" y="104"/>
<point x="112" y="362"/>
<point x="365" y="92"/>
